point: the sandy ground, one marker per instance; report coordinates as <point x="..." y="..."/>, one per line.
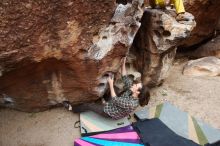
<point x="200" y="96"/>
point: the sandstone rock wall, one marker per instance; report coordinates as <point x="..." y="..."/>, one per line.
<point x="52" y="51"/>
<point x="206" y="13"/>
<point x="156" y="41"/>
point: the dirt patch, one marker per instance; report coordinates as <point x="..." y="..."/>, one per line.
<point x="199" y="96"/>
<point x="51" y="128"/>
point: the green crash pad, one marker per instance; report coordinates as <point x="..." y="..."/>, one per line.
<point x="91" y="122"/>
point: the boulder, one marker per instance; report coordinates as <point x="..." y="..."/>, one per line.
<point x="62" y="50"/>
<point x="206" y="13"/>
<point x="55" y="51"/>
<point x="156" y="41"/>
<point x="207" y="66"/>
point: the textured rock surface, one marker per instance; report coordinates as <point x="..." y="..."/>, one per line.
<point x="211" y="48"/>
<point x="207" y="66"/>
<point x="156" y="41"/>
<point x="51" y="51"/>
<point x="218" y="25"/>
<point x="206" y="14"/>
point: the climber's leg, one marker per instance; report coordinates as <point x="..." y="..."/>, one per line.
<point x="179" y="6"/>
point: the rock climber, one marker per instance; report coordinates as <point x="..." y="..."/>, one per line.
<point x="119" y="105"/>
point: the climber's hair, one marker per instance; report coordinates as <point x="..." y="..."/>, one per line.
<point x="144" y="95"/>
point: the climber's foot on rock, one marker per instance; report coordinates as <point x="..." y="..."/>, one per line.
<point x="67" y="105"/>
<point x="182" y="17"/>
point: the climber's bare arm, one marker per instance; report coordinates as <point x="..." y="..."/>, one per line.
<point x="123" y="67"/>
<point x="111" y="85"/>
